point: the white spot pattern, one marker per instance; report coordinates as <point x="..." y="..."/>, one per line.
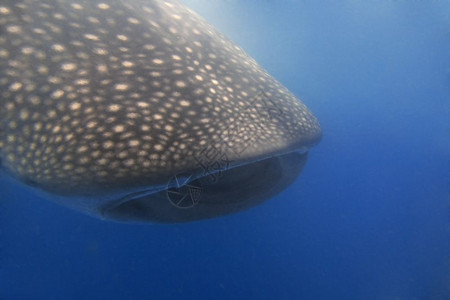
<point x="129" y="92"/>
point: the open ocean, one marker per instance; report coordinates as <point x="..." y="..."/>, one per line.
<point x="368" y="218"/>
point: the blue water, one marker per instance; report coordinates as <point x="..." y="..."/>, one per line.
<point x="367" y="219"/>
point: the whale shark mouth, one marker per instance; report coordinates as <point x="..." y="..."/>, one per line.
<point x="213" y="195"/>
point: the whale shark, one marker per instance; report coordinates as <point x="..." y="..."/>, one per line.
<point x="141" y="111"/>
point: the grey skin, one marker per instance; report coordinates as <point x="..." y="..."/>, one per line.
<point x="142" y="111"/>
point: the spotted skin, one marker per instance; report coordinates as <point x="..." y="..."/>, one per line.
<point x="104" y="99"/>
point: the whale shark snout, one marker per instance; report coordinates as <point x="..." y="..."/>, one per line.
<point x="142" y="111"/>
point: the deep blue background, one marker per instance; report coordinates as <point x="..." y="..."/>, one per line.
<point x="368" y="218"/>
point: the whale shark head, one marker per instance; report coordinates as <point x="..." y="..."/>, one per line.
<point x="141" y="110"/>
